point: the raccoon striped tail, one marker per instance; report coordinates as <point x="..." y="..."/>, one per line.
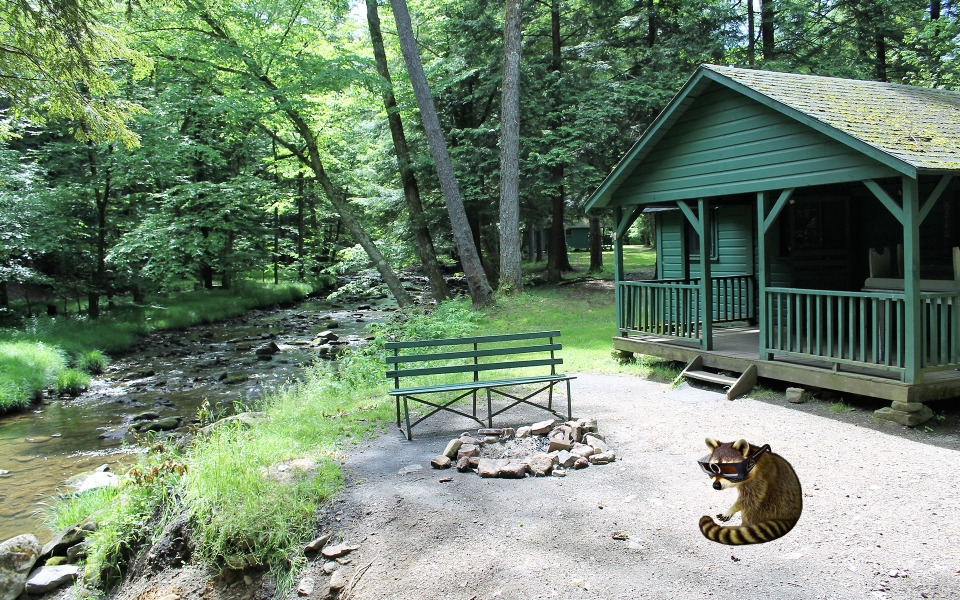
<point x="744" y="534"/>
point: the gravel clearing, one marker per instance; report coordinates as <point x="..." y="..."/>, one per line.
<point x="880" y="518"/>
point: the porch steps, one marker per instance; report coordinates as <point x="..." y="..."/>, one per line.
<point x="738" y="385"/>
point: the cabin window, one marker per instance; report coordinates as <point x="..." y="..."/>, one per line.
<point x="693" y="240"/>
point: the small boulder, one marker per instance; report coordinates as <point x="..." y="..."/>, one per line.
<point x="489" y="467"/>
<point x="596" y="443"/>
<point x="541" y="464"/>
<point x="338" y="581"/>
<point x="513" y="470"/>
<point x="583" y="450"/>
<point x="453" y="446"/>
<point x="463" y="464"/>
<point x="317" y="544"/>
<point x="603" y="458"/>
<point x="17" y="556"/>
<point x="468" y="450"/>
<point x="904" y="418"/>
<point x="581" y="463"/>
<point x="542" y="428"/>
<point x="523" y="432"/>
<point x="795" y="395"/>
<point x="907" y="406"/>
<point x="507" y="434"/>
<point x="267" y="349"/>
<point x="305" y="587"/>
<point x="44" y="579"/>
<point x="566" y="459"/>
<point x="338" y="550"/>
<point x="440" y="462"/>
<point x="93" y="481"/>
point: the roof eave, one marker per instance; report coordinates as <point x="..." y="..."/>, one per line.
<point x="600" y="198"/>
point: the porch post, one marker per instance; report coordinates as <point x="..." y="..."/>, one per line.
<point x="913" y="342"/>
<point x="618" y="264"/>
<point x="706" y="283"/>
<point x="763" y="274"/>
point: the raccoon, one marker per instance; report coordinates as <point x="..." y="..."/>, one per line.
<point x="769" y="502"/>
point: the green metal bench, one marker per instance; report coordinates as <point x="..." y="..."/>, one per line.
<point x="539" y="349"/>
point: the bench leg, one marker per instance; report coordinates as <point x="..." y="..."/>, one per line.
<point x="489" y="409"/>
<point x="550" y="398"/>
<point x="569" y="405"/>
<point x="406" y="414"/>
<point x="398" y="411"/>
<point x="474" y="403"/>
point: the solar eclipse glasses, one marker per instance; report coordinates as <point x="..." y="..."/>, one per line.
<point x="734" y="471"/>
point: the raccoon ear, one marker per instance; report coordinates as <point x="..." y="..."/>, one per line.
<point x="712" y="443"/>
<point x="742" y="447"/>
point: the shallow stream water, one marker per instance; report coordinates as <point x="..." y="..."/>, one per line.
<point x="170" y="374"/>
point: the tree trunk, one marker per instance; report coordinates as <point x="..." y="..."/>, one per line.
<point x="557" y="260"/>
<point x="300" y="200"/>
<point x="538" y="236"/>
<point x="935" y="10"/>
<point x="881" y="44"/>
<point x="480" y="291"/>
<point x="226" y="278"/>
<point x="751" y="34"/>
<point x="411" y="189"/>
<point x="596" y="245"/>
<point x="766" y="28"/>
<point x="4" y="298"/>
<point x="531" y="240"/>
<point x="651" y="24"/>
<point x="511" y="273"/>
<point x="276" y="245"/>
<point x="101" y="198"/>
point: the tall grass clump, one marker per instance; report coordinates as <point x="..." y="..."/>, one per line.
<point x="71" y="382"/>
<point x="25" y="370"/>
<point x="93" y="362"/>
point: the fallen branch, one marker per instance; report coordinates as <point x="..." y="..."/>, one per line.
<point x="356" y="577"/>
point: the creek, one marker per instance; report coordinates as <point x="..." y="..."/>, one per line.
<point x="169" y="374"/>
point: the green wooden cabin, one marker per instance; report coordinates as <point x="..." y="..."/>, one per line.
<point x="808" y="230"/>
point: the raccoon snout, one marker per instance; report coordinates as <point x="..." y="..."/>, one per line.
<point x="716" y="485"/>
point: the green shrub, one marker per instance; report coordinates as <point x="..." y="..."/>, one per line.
<point x="72" y="382"/>
<point x="93" y="362"/>
<point x="25" y="370"/>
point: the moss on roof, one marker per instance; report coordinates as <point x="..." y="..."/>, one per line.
<point x="920" y="126"/>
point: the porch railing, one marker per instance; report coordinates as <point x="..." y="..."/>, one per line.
<point x="857" y="328"/>
<point x="861" y="328"/>
<point x="671" y="307"/>
<point x="940" y="330"/>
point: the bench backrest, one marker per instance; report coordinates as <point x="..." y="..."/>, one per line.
<point x="481" y="348"/>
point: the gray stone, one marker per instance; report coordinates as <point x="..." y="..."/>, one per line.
<point x="317" y="544"/>
<point x="513" y="470"/>
<point x="603" y="458"/>
<point x="491" y="439"/>
<point x="559" y="473"/>
<point x="93" y="481"/>
<point x="542" y="428"/>
<point x="489" y="467"/>
<point x="591" y="425"/>
<point x="596" y="443"/>
<point x="305" y="588"/>
<point x="17" y="557"/>
<point x="468" y="450"/>
<point x="338" y="581"/>
<point x="566" y="459"/>
<point x="907" y="406"/>
<point x="158" y="425"/>
<point x="523" y="432"/>
<point x="796" y="395"/>
<point x="440" y="462"/>
<point x="470" y="441"/>
<point x="246" y="419"/>
<point x="267" y="349"/>
<point x="583" y="450"/>
<point x="330" y="566"/>
<point x="493" y="432"/>
<point x="77" y="551"/>
<point x="338" y="550"/>
<point x="904" y="418"/>
<point x="581" y="463"/>
<point x="44" y="579"/>
<point x="146" y="416"/>
<point x="453" y="446"/>
<point x="541" y="464"/>
<point x="463" y="464"/>
<point x="62" y="540"/>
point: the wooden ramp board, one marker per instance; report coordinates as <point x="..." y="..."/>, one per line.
<point x="738" y="386"/>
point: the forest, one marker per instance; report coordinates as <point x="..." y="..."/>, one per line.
<point x="149" y="146"/>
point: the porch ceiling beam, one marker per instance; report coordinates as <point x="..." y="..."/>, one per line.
<point x="775" y="211"/>
<point x="934" y="196"/>
<point x="885" y="199"/>
<point x="629" y="216"/>
<point x="690" y="216"/>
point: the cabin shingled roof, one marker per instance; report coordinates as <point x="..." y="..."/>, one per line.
<point x="920" y="126"/>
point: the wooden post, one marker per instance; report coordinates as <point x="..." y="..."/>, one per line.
<point x="911" y="282"/>
<point x="618" y="263"/>
<point x="763" y="273"/>
<point x="706" y="283"/>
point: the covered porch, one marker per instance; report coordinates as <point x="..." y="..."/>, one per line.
<point x="829" y="289"/>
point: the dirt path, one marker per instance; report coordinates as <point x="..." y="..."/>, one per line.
<point x="881" y="512"/>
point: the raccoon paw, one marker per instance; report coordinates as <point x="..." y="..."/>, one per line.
<point x="723" y="517"/>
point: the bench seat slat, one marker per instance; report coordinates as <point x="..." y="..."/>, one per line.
<point x="516" y="364"/>
<point x="486" y="339"/>
<point x="392" y="360"/>
<point x="452" y="387"/>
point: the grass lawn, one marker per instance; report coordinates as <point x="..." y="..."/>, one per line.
<point x="635" y="258"/>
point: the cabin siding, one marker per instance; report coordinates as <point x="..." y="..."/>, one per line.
<point x="725" y="143"/>
<point x="735" y="248"/>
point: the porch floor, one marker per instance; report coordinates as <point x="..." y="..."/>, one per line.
<point x="735" y="348"/>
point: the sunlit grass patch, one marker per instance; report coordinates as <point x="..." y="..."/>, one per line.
<point x="25" y="370"/>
